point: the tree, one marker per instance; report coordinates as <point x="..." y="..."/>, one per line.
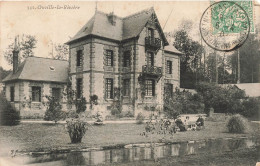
<point x="223" y="73"/>
<point x="223" y="99"/>
<point x="189" y="61"/>
<point x="62" y="52"/>
<point x="54" y="110"/>
<point x="249" y="61"/>
<point x="26" y="49"/>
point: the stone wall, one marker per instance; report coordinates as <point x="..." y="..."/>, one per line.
<point x="23" y="96"/>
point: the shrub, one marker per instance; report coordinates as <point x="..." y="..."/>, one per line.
<point x="182" y="102"/>
<point x="54" y="110"/>
<point x="8" y="114"/>
<point x="76" y="129"/>
<point x="129" y="114"/>
<point x="140" y="118"/>
<point x="81" y="105"/>
<point x="251" y="108"/>
<point x="237" y="124"/>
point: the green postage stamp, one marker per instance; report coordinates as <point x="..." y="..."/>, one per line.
<point x="226" y="18"/>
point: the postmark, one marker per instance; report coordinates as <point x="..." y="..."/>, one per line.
<point x="224" y="26"/>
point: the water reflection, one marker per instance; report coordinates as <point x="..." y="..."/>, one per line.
<point x="126" y="155"/>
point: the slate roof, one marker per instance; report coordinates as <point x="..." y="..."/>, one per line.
<point x="41" y="69"/>
<point x="172" y="49"/>
<point x="125" y="28"/>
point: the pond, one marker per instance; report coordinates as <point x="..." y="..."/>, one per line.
<point x="140" y="152"/>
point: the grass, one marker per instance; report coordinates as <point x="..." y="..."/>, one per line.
<point x="44" y="137"/>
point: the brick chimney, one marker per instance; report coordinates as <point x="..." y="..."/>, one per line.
<point x="15" y="55"/>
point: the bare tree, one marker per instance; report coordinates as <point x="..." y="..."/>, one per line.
<point x="26" y="48"/>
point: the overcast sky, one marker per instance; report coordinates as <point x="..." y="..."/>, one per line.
<point x="58" y="25"/>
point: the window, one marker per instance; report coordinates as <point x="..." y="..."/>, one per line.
<point x="149" y="88"/>
<point x="126" y="59"/>
<point x="79" y="57"/>
<point x="79" y="88"/>
<point x="150" y="59"/>
<point x="109" y="58"/>
<point x="150" y="32"/>
<point x="56" y="93"/>
<point x="109" y="88"/>
<point x="169" y="67"/>
<point x="36" y="94"/>
<point x="168" y="89"/>
<point x="12" y="93"/>
<point x="126" y="87"/>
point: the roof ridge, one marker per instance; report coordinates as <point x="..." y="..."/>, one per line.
<point x="101" y="12"/>
<point x="138" y="13"/>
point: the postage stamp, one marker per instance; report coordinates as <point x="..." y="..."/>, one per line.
<point x="229" y="19"/>
<point x="225" y="25"/>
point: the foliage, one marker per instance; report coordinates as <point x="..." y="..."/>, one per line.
<point x="223" y="73"/>
<point x="129" y="114"/>
<point x="182" y="102"/>
<point x="80" y="104"/>
<point x="159" y="127"/>
<point x="249" y="61"/>
<point x="76" y="129"/>
<point x="8" y="114"/>
<point x="251" y="108"/>
<point x="192" y="56"/>
<point x="223" y="99"/>
<point x="237" y="124"/>
<point x="62" y="51"/>
<point x="26" y="48"/>
<point x="116" y="106"/>
<point x="3" y="73"/>
<point x="140" y="118"/>
<point x="54" y="110"/>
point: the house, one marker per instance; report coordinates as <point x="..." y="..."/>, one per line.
<point x="125" y="59"/>
<point x="29" y="83"/>
<point x="129" y="56"/>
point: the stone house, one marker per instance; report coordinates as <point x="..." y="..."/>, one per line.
<point x="33" y="79"/>
<point x="128" y="56"/>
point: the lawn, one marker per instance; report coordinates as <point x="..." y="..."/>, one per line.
<point x="44" y="137"/>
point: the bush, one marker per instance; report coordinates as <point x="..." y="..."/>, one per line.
<point x="140" y="118"/>
<point x="54" y="110"/>
<point x="251" y="108"/>
<point x="182" y="102"/>
<point x="8" y="114"/>
<point x="81" y="105"/>
<point x="237" y="124"/>
<point x="76" y="129"/>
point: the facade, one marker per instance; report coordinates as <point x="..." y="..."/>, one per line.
<point x="32" y="80"/>
<point x="126" y="59"/>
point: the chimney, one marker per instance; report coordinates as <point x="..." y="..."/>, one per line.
<point x="15" y="55"/>
<point x="112" y="18"/>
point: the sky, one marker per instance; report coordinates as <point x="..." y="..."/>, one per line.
<point x="58" y="25"/>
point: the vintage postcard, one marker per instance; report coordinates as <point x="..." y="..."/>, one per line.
<point x="130" y="83"/>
